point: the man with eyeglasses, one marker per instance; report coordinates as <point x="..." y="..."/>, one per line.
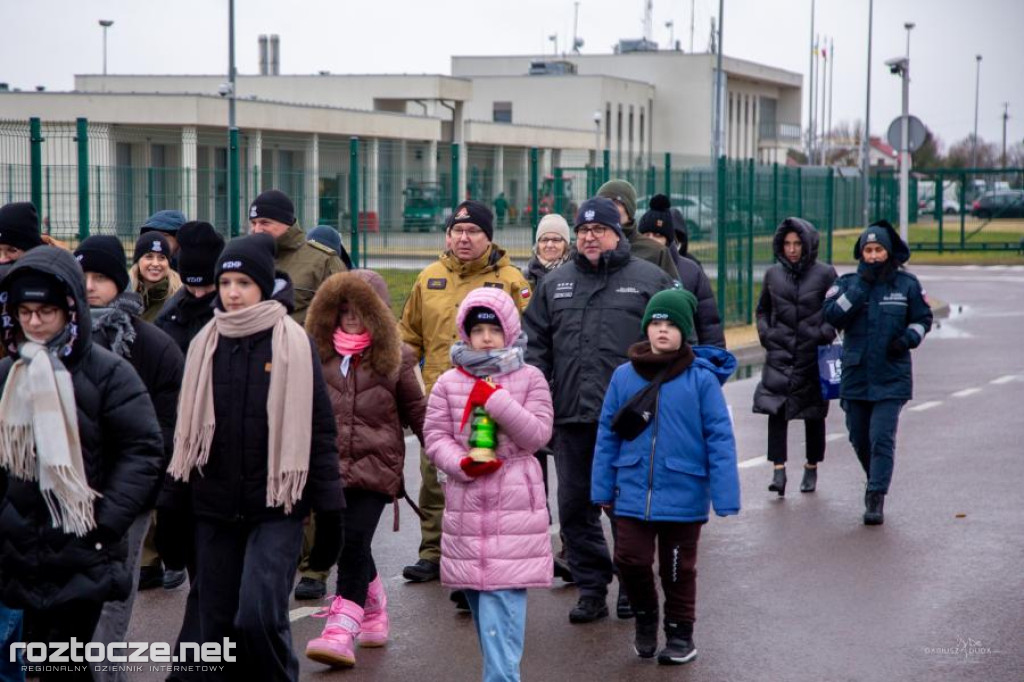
<point x="584" y="317"/>
<point x="471" y="261"/>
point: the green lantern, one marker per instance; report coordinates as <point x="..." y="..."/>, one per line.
<point x="483" y="436"/>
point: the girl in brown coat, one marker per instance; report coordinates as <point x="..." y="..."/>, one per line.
<point x="375" y="392"/>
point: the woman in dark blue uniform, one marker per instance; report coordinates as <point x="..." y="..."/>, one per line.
<point x="883" y="312"/>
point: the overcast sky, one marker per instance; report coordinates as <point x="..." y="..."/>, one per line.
<point x="46" y="42"/>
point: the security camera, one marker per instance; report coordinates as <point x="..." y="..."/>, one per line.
<point x="897" y="65"/>
<point x="224" y="89"/>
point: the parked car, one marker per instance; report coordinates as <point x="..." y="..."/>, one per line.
<point x="950" y="206"/>
<point x="697" y="211"/>
<point x="1002" y="204"/>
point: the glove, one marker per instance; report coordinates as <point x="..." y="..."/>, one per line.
<point x="473" y="468"/>
<point x="897" y="347"/>
<point x="174" y="537"/>
<point x="102" y="537"/>
<point x="328" y="539"/>
<point x="868" y="271"/>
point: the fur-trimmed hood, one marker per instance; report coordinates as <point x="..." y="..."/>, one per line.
<point x="385" y="354"/>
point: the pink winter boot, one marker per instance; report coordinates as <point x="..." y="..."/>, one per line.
<point x="374" y="631"/>
<point x="336" y="644"/>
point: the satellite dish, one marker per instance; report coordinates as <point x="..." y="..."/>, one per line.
<point x="916" y="133"/>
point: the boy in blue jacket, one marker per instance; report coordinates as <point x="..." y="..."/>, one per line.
<point x="662" y="482"/>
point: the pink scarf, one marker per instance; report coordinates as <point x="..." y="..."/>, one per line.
<point x="351" y="344"/>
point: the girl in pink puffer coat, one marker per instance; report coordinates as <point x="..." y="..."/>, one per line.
<point x="494" y="541"/>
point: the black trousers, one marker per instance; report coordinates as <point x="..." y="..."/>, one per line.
<point x="872" y="426"/>
<point x="60" y="624"/>
<point x="190" y="630"/>
<point x="814" y="433"/>
<point x="677" y="564"/>
<point x="356" y="568"/>
<point x="589" y="560"/>
<point x="246" y="571"/>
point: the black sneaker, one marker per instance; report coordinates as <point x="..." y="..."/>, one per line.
<point x="589" y="609"/>
<point x="151" y="577"/>
<point x="423" y="571"/>
<point x="679" y="648"/>
<point x="310" y="588"/>
<point x="459" y="597"/>
<point x="646" y="642"/>
<point x="173" y="579"/>
<point x="562" y="570"/>
<point x="623" y="609"/>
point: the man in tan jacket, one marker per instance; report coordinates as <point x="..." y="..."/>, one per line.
<point x="428" y="325"/>
<point x="307" y="263"/>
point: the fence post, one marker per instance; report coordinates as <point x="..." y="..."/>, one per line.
<point x="82" y="133"/>
<point x="720" y="226"/>
<point x="35" y="128"/>
<point x="607" y="165"/>
<point x="775" y="193"/>
<point x="940" y="205"/>
<point x="456" y="181"/>
<point x="559" y="204"/>
<point x="800" y="191"/>
<point x="234" y="180"/>
<point x="750" y="242"/>
<point x="668" y="175"/>
<point x="150" y="186"/>
<point x="353" y="197"/>
<point x="534" y="190"/>
<point x="830" y="212"/>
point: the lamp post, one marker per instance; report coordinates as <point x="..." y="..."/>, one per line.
<point x="901" y="67"/>
<point x="597" y="149"/>
<point x="977" y="90"/>
<point x="234" y="188"/>
<point x="105" y="23"/>
<point x="865" y="143"/>
<point x="671" y="26"/>
<point x="909" y="25"/>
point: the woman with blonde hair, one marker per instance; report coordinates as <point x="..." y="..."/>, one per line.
<point x="151" y="275"/>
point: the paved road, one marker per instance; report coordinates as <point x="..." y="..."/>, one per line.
<point x="797" y="588"/>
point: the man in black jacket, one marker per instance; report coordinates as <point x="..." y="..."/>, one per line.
<point x="61" y="576"/>
<point x="191" y="307"/>
<point x="583" y="318"/>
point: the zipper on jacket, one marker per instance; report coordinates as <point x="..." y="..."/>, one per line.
<point x="650" y="470"/>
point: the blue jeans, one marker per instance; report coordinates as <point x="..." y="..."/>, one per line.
<point x="10" y="632"/>
<point x="500" y="619"/>
<point x="872" y="426"/>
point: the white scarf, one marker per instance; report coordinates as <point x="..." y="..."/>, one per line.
<point x="39" y="437"/>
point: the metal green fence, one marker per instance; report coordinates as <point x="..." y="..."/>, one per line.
<point x="390" y="199"/>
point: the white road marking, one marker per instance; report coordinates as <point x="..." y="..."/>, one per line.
<point x="926" y="406"/>
<point x="834" y="436"/>
<point x="966" y="392"/>
<point x="302" y="612"/>
<point x="752" y="462"/>
<point x="1005" y="379"/>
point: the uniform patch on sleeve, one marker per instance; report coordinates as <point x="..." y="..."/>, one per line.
<point x="924" y="297"/>
<point x="437" y="283"/>
<point x="524" y="293"/>
<point x="832" y="291"/>
<point x="494" y="285"/>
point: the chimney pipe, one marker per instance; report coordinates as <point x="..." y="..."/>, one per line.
<point x="264" y="57"/>
<point x="275" y="55"/>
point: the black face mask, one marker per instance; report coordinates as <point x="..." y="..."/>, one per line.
<point x="874" y="272"/>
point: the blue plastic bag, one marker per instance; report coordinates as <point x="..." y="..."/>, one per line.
<point x="830" y="369"/>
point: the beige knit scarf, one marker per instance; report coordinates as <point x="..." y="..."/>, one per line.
<point x="289" y="401"/>
<point x="39" y="437"/>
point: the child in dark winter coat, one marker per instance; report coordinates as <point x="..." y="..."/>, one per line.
<point x="255" y="444"/>
<point x="662" y="482"/>
<point x="374" y="392"/>
<point x="494" y="542"/>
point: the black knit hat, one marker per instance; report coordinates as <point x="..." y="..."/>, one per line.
<point x="19" y="226"/>
<point x="599" y="210"/>
<point x="658" y="219"/>
<point x="151" y="242"/>
<point x="480" y="315"/>
<point x="199" y="246"/>
<point x="252" y="255"/>
<point x="476" y="213"/>
<point x="34" y="286"/>
<point x="103" y="253"/>
<point x="273" y="204"/>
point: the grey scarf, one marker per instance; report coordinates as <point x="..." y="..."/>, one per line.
<point x="486" y="363"/>
<point x="113" y="325"/>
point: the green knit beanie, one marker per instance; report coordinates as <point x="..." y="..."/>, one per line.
<point x="675" y="305"/>
<point x="622" y="192"/>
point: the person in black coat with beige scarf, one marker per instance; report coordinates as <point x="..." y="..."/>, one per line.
<point x="791" y="326"/>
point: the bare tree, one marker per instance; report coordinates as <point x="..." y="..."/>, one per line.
<point x="961" y="154"/>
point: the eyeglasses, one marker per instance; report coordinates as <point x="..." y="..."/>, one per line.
<point x="596" y="230"/>
<point x="550" y="240"/>
<point x="46" y="315"/>
<point x="460" y="233"/>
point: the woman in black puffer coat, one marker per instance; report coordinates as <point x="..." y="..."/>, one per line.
<point x="791" y="326"/>
<point x="62" y="575"/>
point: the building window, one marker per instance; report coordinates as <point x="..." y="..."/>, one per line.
<point x="503" y="112"/>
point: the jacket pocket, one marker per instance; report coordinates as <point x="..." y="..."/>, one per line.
<point x="687" y="465"/>
<point x="627" y="459"/>
<point x="852" y="356"/>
